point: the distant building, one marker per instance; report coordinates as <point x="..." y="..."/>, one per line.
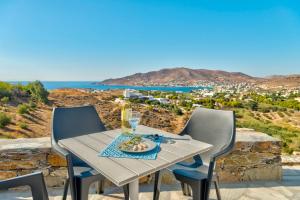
<point x="227" y="96"/>
<point x="162" y="100"/>
<point x="149" y="97"/>
<point x="197" y="105"/>
<point x="129" y="93"/>
<point x="208" y="94"/>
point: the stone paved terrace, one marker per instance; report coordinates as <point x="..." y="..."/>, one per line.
<point x="288" y="188"/>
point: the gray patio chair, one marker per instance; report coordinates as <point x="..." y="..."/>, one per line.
<point x="216" y="127"/>
<point x="72" y="122"/>
<point x="34" y="180"/>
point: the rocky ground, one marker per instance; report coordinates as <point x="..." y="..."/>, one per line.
<point x="110" y="111"/>
<point x="38" y="121"/>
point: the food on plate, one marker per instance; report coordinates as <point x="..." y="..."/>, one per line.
<point x="136" y="143"/>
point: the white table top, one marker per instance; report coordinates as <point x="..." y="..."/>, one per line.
<point x="125" y="170"/>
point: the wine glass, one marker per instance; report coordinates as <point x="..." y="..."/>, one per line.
<point x="134" y="120"/>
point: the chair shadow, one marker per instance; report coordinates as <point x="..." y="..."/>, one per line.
<point x="32" y="119"/>
<point x="33" y="115"/>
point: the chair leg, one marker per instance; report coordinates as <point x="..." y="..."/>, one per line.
<point x="82" y="190"/>
<point x="157" y="184"/>
<point x="188" y="190"/>
<point x="126" y="192"/>
<point x="73" y="190"/>
<point x="217" y="190"/>
<point x="183" y="188"/>
<point x="196" y="191"/>
<point x="100" y="187"/>
<point x="66" y="187"/>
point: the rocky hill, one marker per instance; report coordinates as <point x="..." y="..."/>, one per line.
<point x="283" y="82"/>
<point x="181" y="76"/>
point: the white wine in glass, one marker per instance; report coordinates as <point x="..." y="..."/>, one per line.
<point x="134" y="120"/>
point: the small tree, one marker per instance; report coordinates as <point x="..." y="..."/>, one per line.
<point x="23" y="125"/>
<point x="178" y="111"/>
<point x="23" y="109"/>
<point x="4" y="120"/>
<point x="253" y="105"/>
<point x="5" y="100"/>
<point x="38" y="92"/>
<point x="32" y="105"/>
<point x="5" y="89"/>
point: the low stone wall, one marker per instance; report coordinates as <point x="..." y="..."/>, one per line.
<point x="256" y="156"/>
<point x="23" y="156"/>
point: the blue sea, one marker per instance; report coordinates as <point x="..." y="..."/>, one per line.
<point x="51" y="85"/>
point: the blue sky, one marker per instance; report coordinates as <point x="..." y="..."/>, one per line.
<point x="95" y="40"/>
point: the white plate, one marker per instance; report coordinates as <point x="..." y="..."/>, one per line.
<point x="151" y="145"/>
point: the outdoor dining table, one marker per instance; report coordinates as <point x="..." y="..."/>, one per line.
<point x="122" y="171"/>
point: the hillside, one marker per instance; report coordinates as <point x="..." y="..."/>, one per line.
<point x="277" y="82"/>
<point x="24" y="110"/>
<point x="181" y="76"/>
<point x="273" y="119"/>
<point x="38" y="119"/>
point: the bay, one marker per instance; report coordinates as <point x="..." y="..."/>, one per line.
<point x="51" y="85"/>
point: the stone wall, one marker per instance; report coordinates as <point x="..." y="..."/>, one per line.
<point x="23" y="156"/>
<point x="256" y="156"/>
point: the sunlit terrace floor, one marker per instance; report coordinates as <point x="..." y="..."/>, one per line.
<point x="288" y="188"/>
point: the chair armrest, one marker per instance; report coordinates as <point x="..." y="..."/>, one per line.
<point x="197" y="162"/>
<point x="59" y="150"/>
<point x="34" y="180"/>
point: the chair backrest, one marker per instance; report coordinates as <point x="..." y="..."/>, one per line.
<point x="75" y="121"/>
<point x="34" y="180"/>
<point x="216" y="127"/>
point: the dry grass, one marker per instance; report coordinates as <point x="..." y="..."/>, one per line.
<point x="38" y="120"/>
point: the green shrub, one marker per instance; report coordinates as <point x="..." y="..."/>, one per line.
<point x="38" y="92"/>
<point x="251" y="114"/>
<point x="4" y="120"/>
<point x="178" y="111"/>
<point x="235" y="104"/>
<point x="5" y="89"/>
<point x="280" y="114"/>
<point x="23" y="109"/>
<point x="238" y="115"/>
<point x="23" y="125"/>
<point x="264" y="109"/>
<point x="5" y="100"/>
<point x="32" y="105"/>
<point x="253" y="105"/>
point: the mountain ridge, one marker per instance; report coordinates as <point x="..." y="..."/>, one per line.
<point x="183" y="76"/>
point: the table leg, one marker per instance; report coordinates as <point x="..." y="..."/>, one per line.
<point x="134" y="190"/>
